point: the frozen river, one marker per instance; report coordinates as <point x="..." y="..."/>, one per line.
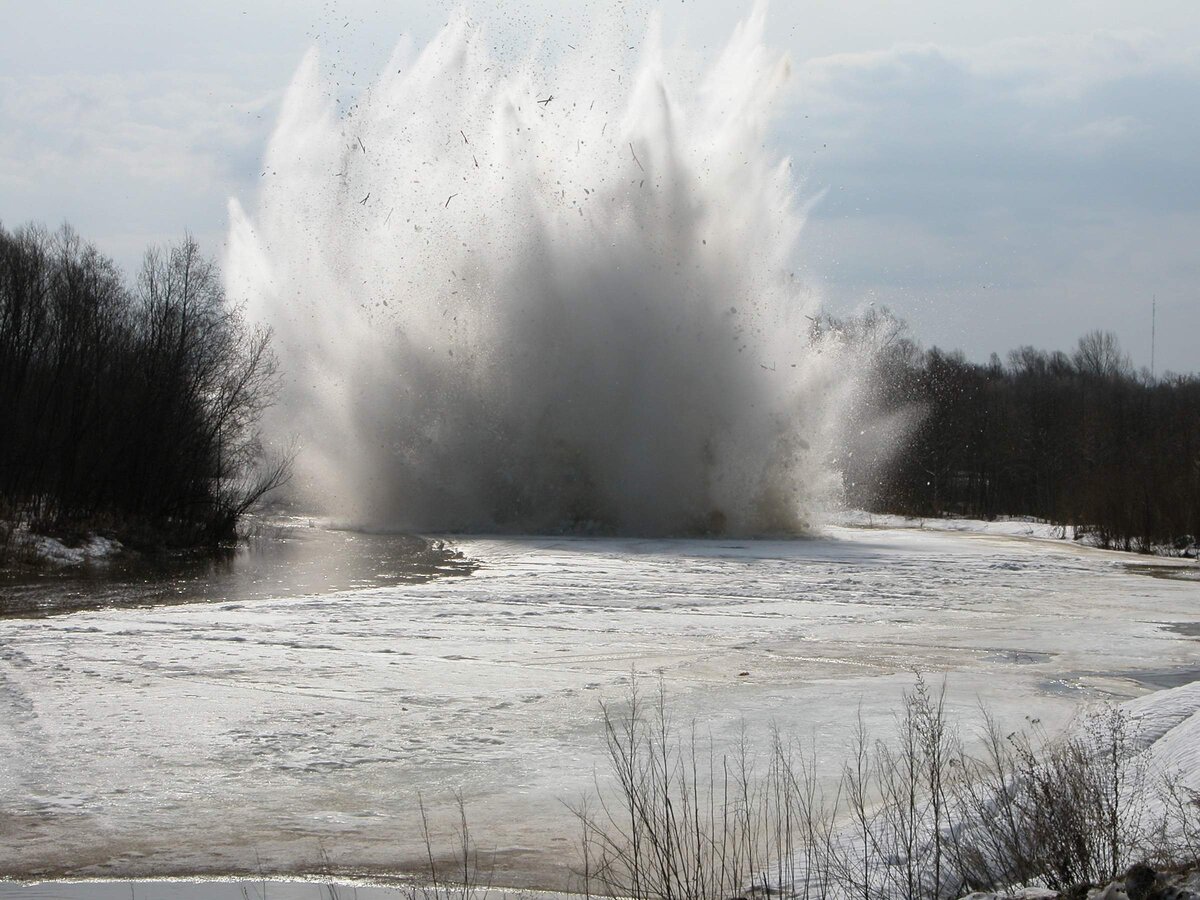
<point x="299" y="720"/>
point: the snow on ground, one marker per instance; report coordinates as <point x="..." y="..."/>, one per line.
<point x="1010" y="526"/>
<point x="1167" y="727"/>
<point x="54" y="552"/>
<point x="1006" y="526"/>
<point x="92" y="549"/>
<point x="1166" y="734"/>
<point x="221" y="737"/>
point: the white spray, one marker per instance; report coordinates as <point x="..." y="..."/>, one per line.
<point x="543" y="300"/>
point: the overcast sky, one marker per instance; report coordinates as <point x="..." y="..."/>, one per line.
<point x="1000" y="173"/>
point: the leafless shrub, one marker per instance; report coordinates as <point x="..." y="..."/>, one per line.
<point x="1177" y="837"/>
<point x="919" y="817"/>
<point x="684" y="823"/>
<point x="459" y="875"/>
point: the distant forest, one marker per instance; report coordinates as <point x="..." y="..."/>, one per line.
<point x="127" y="408"/>
<point x="133" y="410"/>
<point x="1080" y="439"/>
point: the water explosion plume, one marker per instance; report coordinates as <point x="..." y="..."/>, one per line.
<point x="547" y="298"/>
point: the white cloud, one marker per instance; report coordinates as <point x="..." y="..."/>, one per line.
<point x="1021" y="191"/>
<point x="125" y="155"/>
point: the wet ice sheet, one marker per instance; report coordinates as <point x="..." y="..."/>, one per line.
<point x="219" y="738"/>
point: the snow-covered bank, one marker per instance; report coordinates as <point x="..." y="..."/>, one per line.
<point x="1143" y="884"/>
<point x="30" y="548"/>
<point x="1167" y="733"/>
<point x="1003" y="526"/>
<point x="94" y="548"/>
<point x="1160" y="783"/>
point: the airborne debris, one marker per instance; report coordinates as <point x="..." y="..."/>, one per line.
<point x="635" y="159"/>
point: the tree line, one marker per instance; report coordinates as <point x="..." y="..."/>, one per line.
<point x="128" y="406"/>
<point x="1080" y="439"/>
<point x="136" y="406"/>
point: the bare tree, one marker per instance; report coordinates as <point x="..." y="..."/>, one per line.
<point x="139" y="407"/>
<point x="1099" y="353"/>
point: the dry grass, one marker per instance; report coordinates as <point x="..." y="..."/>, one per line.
<point x="916" y="817"/>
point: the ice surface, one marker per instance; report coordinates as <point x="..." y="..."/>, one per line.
<point x="221" y="737"/>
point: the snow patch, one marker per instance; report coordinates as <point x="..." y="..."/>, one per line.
<point x="1007" y="526"/>
<point x="1167" y="726"/>
<point x="1002" y="526"/>
<point x="94" y="548"/>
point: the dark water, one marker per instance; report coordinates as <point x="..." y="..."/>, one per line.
<point x="289" y="560"/>
<point x="1173" y="677"/>
<point x="1174" y="573"/>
